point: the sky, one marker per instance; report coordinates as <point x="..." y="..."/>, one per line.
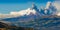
<point x="7" y="6"/>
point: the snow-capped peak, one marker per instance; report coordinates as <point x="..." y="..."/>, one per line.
<point x="28" y="14"/>
<point x="24" y="12"/>
<point x="28" y="11"/>
<point x="50" y="9"/>
<point x="48" y="4"/>
<point x="34" y="7"/>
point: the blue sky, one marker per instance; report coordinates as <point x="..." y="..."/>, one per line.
<point x="7" y="6"/>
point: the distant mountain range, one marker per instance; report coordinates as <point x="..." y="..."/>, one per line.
<point x="35" y="18"/>
<point x="32" y="13"/>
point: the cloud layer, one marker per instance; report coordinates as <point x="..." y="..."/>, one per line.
<point x="57" y="4"/>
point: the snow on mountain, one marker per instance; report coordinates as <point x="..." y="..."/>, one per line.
<point x="48" y="4"/>
<point x="24" y="15"/>
<point x="50" y="9"/>
<point x="24" y="12"/>
<point x="35" y="7"/>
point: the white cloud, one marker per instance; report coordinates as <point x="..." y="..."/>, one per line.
<point x="48" y="4"/>
<point x="58" y="14"/>
<point x="57" y="4"/>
